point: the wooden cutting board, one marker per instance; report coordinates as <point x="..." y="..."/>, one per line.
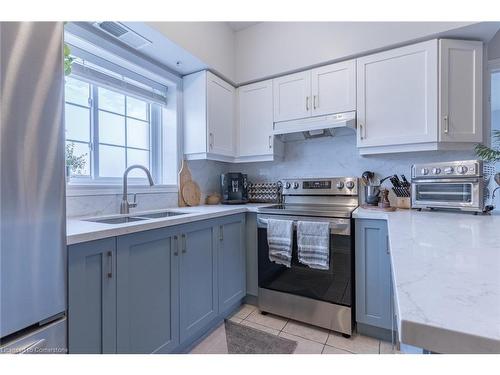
<point x="377" y="208"/>
<point x="191" y="193"/>
<point x="184" y="177"/>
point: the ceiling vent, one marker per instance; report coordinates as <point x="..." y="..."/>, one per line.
<point x="123" y="34"/>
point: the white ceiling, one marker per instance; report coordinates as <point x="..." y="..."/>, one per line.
<point x="237" y="26"/>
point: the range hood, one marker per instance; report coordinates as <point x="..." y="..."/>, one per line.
<point x="315" y="127"/>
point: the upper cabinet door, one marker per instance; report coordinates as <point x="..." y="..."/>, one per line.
<point x="220" y="116"/>
<point x="255" y="102"/>
<point x="292" y="96"/>
<point x="460" y="84"/>
<point x="334" y="88"/>
<point x="397" y="96"/>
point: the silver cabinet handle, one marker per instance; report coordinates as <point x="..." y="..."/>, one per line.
<point x="307" y="103"/>
<point x="33" y="347"/>
<point x="270" y="142"/>
<point x="221" y="233"/>
<point x="361" y="128"/>
<point x="184" y="249"/>
<point x="110" y="264"/>
<point x="314" y="101"/>
<point x="387" y="239"/>
<point x="176" y="245"/>
<point x="211" y="141"/>
<point x="446" y="125"/>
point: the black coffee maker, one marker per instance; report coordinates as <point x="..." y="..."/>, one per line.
<point x="234" y="188"/>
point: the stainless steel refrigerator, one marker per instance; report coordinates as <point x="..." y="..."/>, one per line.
<point x="32" y="188"/>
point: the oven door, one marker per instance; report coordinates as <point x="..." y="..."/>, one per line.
<point x="333" y="285"/>
<point x="448" y="193"/>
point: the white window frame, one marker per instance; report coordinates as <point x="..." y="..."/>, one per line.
<point x="171" y="136"/>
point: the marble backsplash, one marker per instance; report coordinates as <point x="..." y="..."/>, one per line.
<point x="337" y="156"/>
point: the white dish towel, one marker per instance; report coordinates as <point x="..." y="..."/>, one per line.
<point x="279" y="240"/>
<point x="313" y="242"/>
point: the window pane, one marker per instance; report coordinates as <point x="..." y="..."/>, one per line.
<point x="77" y="122"/>
<point x="111" y="161"/>
<point x="111" y="101"/>
<point x="137" y="157"/>
<point x="111" y="129"/>
<point x="77" y="91"/>
<point x="137" y="108"/>
<point x="78" y="156"/>
<point x="137" y="134"/>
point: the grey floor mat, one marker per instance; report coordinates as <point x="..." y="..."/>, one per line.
<point x="246" y="340"/>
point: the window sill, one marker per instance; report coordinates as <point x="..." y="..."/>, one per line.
<point x="76" y="190"/>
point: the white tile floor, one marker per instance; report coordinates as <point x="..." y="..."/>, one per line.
<point x="310" y="339"/>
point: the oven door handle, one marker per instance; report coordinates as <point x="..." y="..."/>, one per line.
<point x="334" y="227"/>
<point x="446" y="180"/>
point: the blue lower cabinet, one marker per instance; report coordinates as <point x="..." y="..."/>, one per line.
<point x="231" y="261"/>
<point x="92" y="297"/>
<point x="147" y="302"/>
<point x="373" y="278"/>
<point x="197" y="278"/>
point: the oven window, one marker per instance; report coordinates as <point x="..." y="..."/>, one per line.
<point x="333" y="285"/>
<point x="444" y="192"/>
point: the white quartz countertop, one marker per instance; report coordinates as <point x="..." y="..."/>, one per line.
<point x="446" y="276"/>
<point x="80" y="230"/>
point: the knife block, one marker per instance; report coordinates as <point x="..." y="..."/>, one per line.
<point x="403" y="202"/>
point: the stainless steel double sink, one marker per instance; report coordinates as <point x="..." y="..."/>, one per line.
<point x="139" y="217"/>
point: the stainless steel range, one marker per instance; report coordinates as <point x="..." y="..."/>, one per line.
<point x="320" y="297"/>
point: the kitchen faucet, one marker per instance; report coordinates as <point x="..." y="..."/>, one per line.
<point x="125" y="205"/>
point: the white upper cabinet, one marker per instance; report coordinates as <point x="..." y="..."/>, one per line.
<point x="209" y="117"/>
<point x="397" y="96"/>
<point x="461" y="88"/>
<point x="292" y="96"/>
<point x="321" y="91"/>
<point x="255" y="123"/>
<point x="426" y="96"/>
<point x="220" y="116"/>
<point x="334" y="88"/>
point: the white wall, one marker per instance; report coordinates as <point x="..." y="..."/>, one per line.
<point x="211" y="42"/>
<point x="272" y="48"/>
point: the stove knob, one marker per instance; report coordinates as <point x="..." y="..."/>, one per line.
<point x="462" y="169"/>
<point x="436" y="170"/>
<point x="448" y="170"/>
<point x="340" y="185"/>
<point x="424" y="171"/>
<point x="287" y="185"/>
<point x="295" y="185"/>
<point x="349" y="185"/>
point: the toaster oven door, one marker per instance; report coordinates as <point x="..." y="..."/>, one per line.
<point x="463" y="194"/>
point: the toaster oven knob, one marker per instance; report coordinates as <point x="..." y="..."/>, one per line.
<point x="295" y="185"/>
<point x="340" y="185"/>
<point x="462" y="169"/>
<point x="448" y="170"/>
<point x="287" y="185"/>
<point x="349" y="185"/>
<point x="424" y="171"/>
<point x="436" y="170"/>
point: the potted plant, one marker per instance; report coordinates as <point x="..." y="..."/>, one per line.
<point x="491" y="154"/>
<point x="74" y="164"/>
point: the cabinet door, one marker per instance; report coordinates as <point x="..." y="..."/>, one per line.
<point x="461" y="88"/>
<point x="231" y="259"/>
<point x="373" y="274"/>
<point x="220" y="116"/>
<point x="397" y="96"/>
<point x="334" y="88"/>
<point x="147" y="292"/>
<point x="255" y="114"/>
<point x="198" y="278"/>
<point x="292" y="96"/>
<point x="92" y="297"/>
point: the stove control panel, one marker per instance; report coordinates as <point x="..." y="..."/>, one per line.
<point x="321" y="186"/>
